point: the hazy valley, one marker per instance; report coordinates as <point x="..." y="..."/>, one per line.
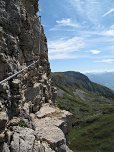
<point x="105" y="78"/>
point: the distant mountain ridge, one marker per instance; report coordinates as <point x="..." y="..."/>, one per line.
<point x="105" y="78"/>
<point x="77" y="80"/>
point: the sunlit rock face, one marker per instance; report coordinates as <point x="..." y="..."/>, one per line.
<point x="21" y="36"/>
<point x="22" y="42"/>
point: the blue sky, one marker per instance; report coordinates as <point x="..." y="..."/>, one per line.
<point x="80" y="34"/>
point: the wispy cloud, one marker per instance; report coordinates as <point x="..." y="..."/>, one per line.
<point x="109" y="12"/>
<point x="95" y="51"/>
<point x="109" y="32"/>
<point x="106" y="61"/>
<point x="65" y="22"/>
<point x="103" y="32"/>
<point x="88" y="10"/>
<point x="65" y="47"/>
<point x="94" y="2"/>
<point x="58" y="56"/>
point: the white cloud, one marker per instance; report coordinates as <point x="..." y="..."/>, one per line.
<point x="108" y="32"/>
<point x="95" y="52"/>
<point x="112" y="27"/>
<point x="65" y="22"/>
<point x="58" y="56"/>
<point x="109" y="12"/>
<point x="89" y="10"/>
<point x="66" y="45"/>
<point x="106" y="61"/>
<point x="65" y="48"/>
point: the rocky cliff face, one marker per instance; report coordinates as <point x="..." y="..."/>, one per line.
<point x="29" y="121"/>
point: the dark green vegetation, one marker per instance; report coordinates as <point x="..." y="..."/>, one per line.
<point x="93" y="108"/>
<point x="105" y="78"/>
<point x="23" y="124"/>
<point x="95" y="137"/>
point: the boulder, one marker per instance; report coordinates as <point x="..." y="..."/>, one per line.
<point x="46" y="110"/>
<point x="25" y="140"/>
<point x="52" y="135"/>
<point x="50" y="125"/>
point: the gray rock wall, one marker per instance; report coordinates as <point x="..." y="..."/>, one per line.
<point x="19" y="47"/>
<point x="21" y="36"/>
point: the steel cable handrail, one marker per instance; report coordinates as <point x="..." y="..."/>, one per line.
<point x="12" y="76"/>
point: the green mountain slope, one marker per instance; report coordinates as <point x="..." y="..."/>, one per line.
<point x="76" y="80"/>
<point x="88" y="102"/>
<point x="95" y="137"/>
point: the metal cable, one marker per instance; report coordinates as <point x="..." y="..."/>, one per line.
<point x="12" y="76"/>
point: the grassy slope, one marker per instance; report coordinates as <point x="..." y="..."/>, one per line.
<point x="93" y="114"/>
<point x="95" y="137"/>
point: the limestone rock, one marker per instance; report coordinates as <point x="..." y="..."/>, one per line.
<point x="38" y="147"/>
<point x="48" y="121"/>
<point x="53" y="116"/>
<point x="23" y="140"/>
<point x="14" y="122"/>
<point x="53" y="136"/>
<point x="5" y="148"/>
<point x="47" y="148"/>
<point x="45" y="110"/>
<point x="2" y="137"/>
<point x="50" y="125"/>
<point x="3" y="120"/>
